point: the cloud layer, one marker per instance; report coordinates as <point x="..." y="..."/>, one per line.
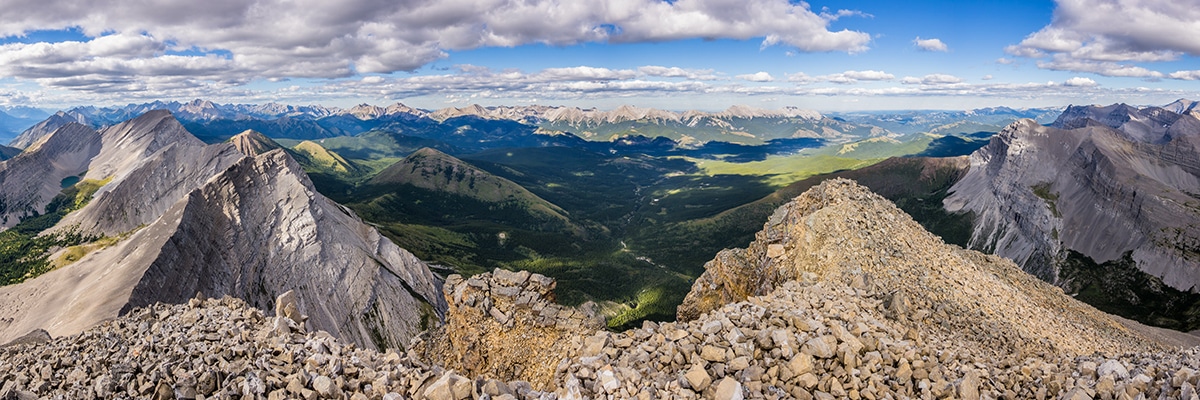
<point x="1105" y="37"/>
<point x="219" y="42"/>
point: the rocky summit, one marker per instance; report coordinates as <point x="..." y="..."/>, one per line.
<point x="841" y="296"/>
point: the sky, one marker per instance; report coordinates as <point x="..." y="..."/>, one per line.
<point x="832" y="55"/>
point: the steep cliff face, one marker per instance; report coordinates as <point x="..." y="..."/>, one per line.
<point x="260" y="229"/>
<point x="1037" y="191"/>
<point x="153" y="184"/>
<point x="190" y="217"/>
<point x="46" y="127"/>
<point x="253" y="231"/>
<point x="253" y="143"/>
<point x="127" y="144"/>
<point x="29" y="180"/>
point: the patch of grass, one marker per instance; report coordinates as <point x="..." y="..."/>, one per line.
<point x="24" y="252"/>
<point x="1043" y="190"/>
<point x="783" y="170"/>
<point x="75" y="253"/>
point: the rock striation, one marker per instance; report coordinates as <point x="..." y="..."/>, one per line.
<point x="46" y="127"/>
<point x="255" y="230"/>
<point x="31" y="179"/>
<point x="253" y="143"/>
<point x="187" y="217"/>
<point x="1101" y="181"/>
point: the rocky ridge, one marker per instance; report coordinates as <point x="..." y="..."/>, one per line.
<point x="46" y="127"/>
<point x="1101" y="181"/>
<point x="840" y="332"/>
<point x="34" y="177"/>
<point x="183" y="217"/>
<point x="253" y="143"/>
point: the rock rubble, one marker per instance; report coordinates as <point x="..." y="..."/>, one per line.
<point x="876" y="331"/>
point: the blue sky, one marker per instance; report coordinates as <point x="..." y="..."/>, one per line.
<point x="686" y="54"/>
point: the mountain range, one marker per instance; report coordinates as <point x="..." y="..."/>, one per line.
<point x="1099" y="200"/>
<point x="174" y="216"/>
<point x="214" y="122"/>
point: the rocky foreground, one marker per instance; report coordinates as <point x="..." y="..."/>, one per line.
<point x="837" y="331"/>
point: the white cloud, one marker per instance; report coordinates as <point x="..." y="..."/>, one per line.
<point x="676" y="72"/>
<point x="1080" y="82"/>
<point x="801" y="78"/>
<point x="850" y="77"/>
<point x="868" y="75"/>
<point x="759" y="76"/>
<point x="1193" y="75"/>
<point x="281" y="39"/>
<point x="932" y="44"/>
<point x="467" y="84"/>
<point x="586" y="73"/>
<point x="1097" y="35"/>
<point x="1062" y="62"/>
<point x="987" y="77"/>
<point x="931" y="79"/>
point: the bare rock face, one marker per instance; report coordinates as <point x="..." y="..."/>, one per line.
<point x="505" y="325"/>
<point x="127" y="144"/>
<point x="254" y="230"/>
<point x="46" y="127"/>
<point x="1117" y="180"/>
<point x="153" y="184"/>
<point x="253" y="143"/>
<point x="30" y="180"/>
<point x="260" y="229"/>
<point x="840" y="232"/>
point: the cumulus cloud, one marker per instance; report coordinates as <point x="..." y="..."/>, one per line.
<point x="801" y="78"/>
<point x="280" y="39"/>
<point x="759" y="76"/>
<point x="1104" y="68"/>
<point x="932" y="44"/>
<point x="850" y="77"/>
<point x="676" y="72"/>
<point x="1101" y="34"/>
<point x="1193" y="75"/>
<point x="1080" y="82"/>
<point x="931" y="79"/>
<point x="586" y="73"/>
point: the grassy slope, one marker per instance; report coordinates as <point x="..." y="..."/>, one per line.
<point x="783" y="170"/>
<point x="24" y="254"/>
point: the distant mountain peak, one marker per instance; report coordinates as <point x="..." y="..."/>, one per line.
<point x="252" y="143"/>
<point x="431" y="169"/>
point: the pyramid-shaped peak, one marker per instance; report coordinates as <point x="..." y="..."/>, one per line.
<point x="252" y="143"/>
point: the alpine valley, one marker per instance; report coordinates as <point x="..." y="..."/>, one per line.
<point x="561" y="252"/>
